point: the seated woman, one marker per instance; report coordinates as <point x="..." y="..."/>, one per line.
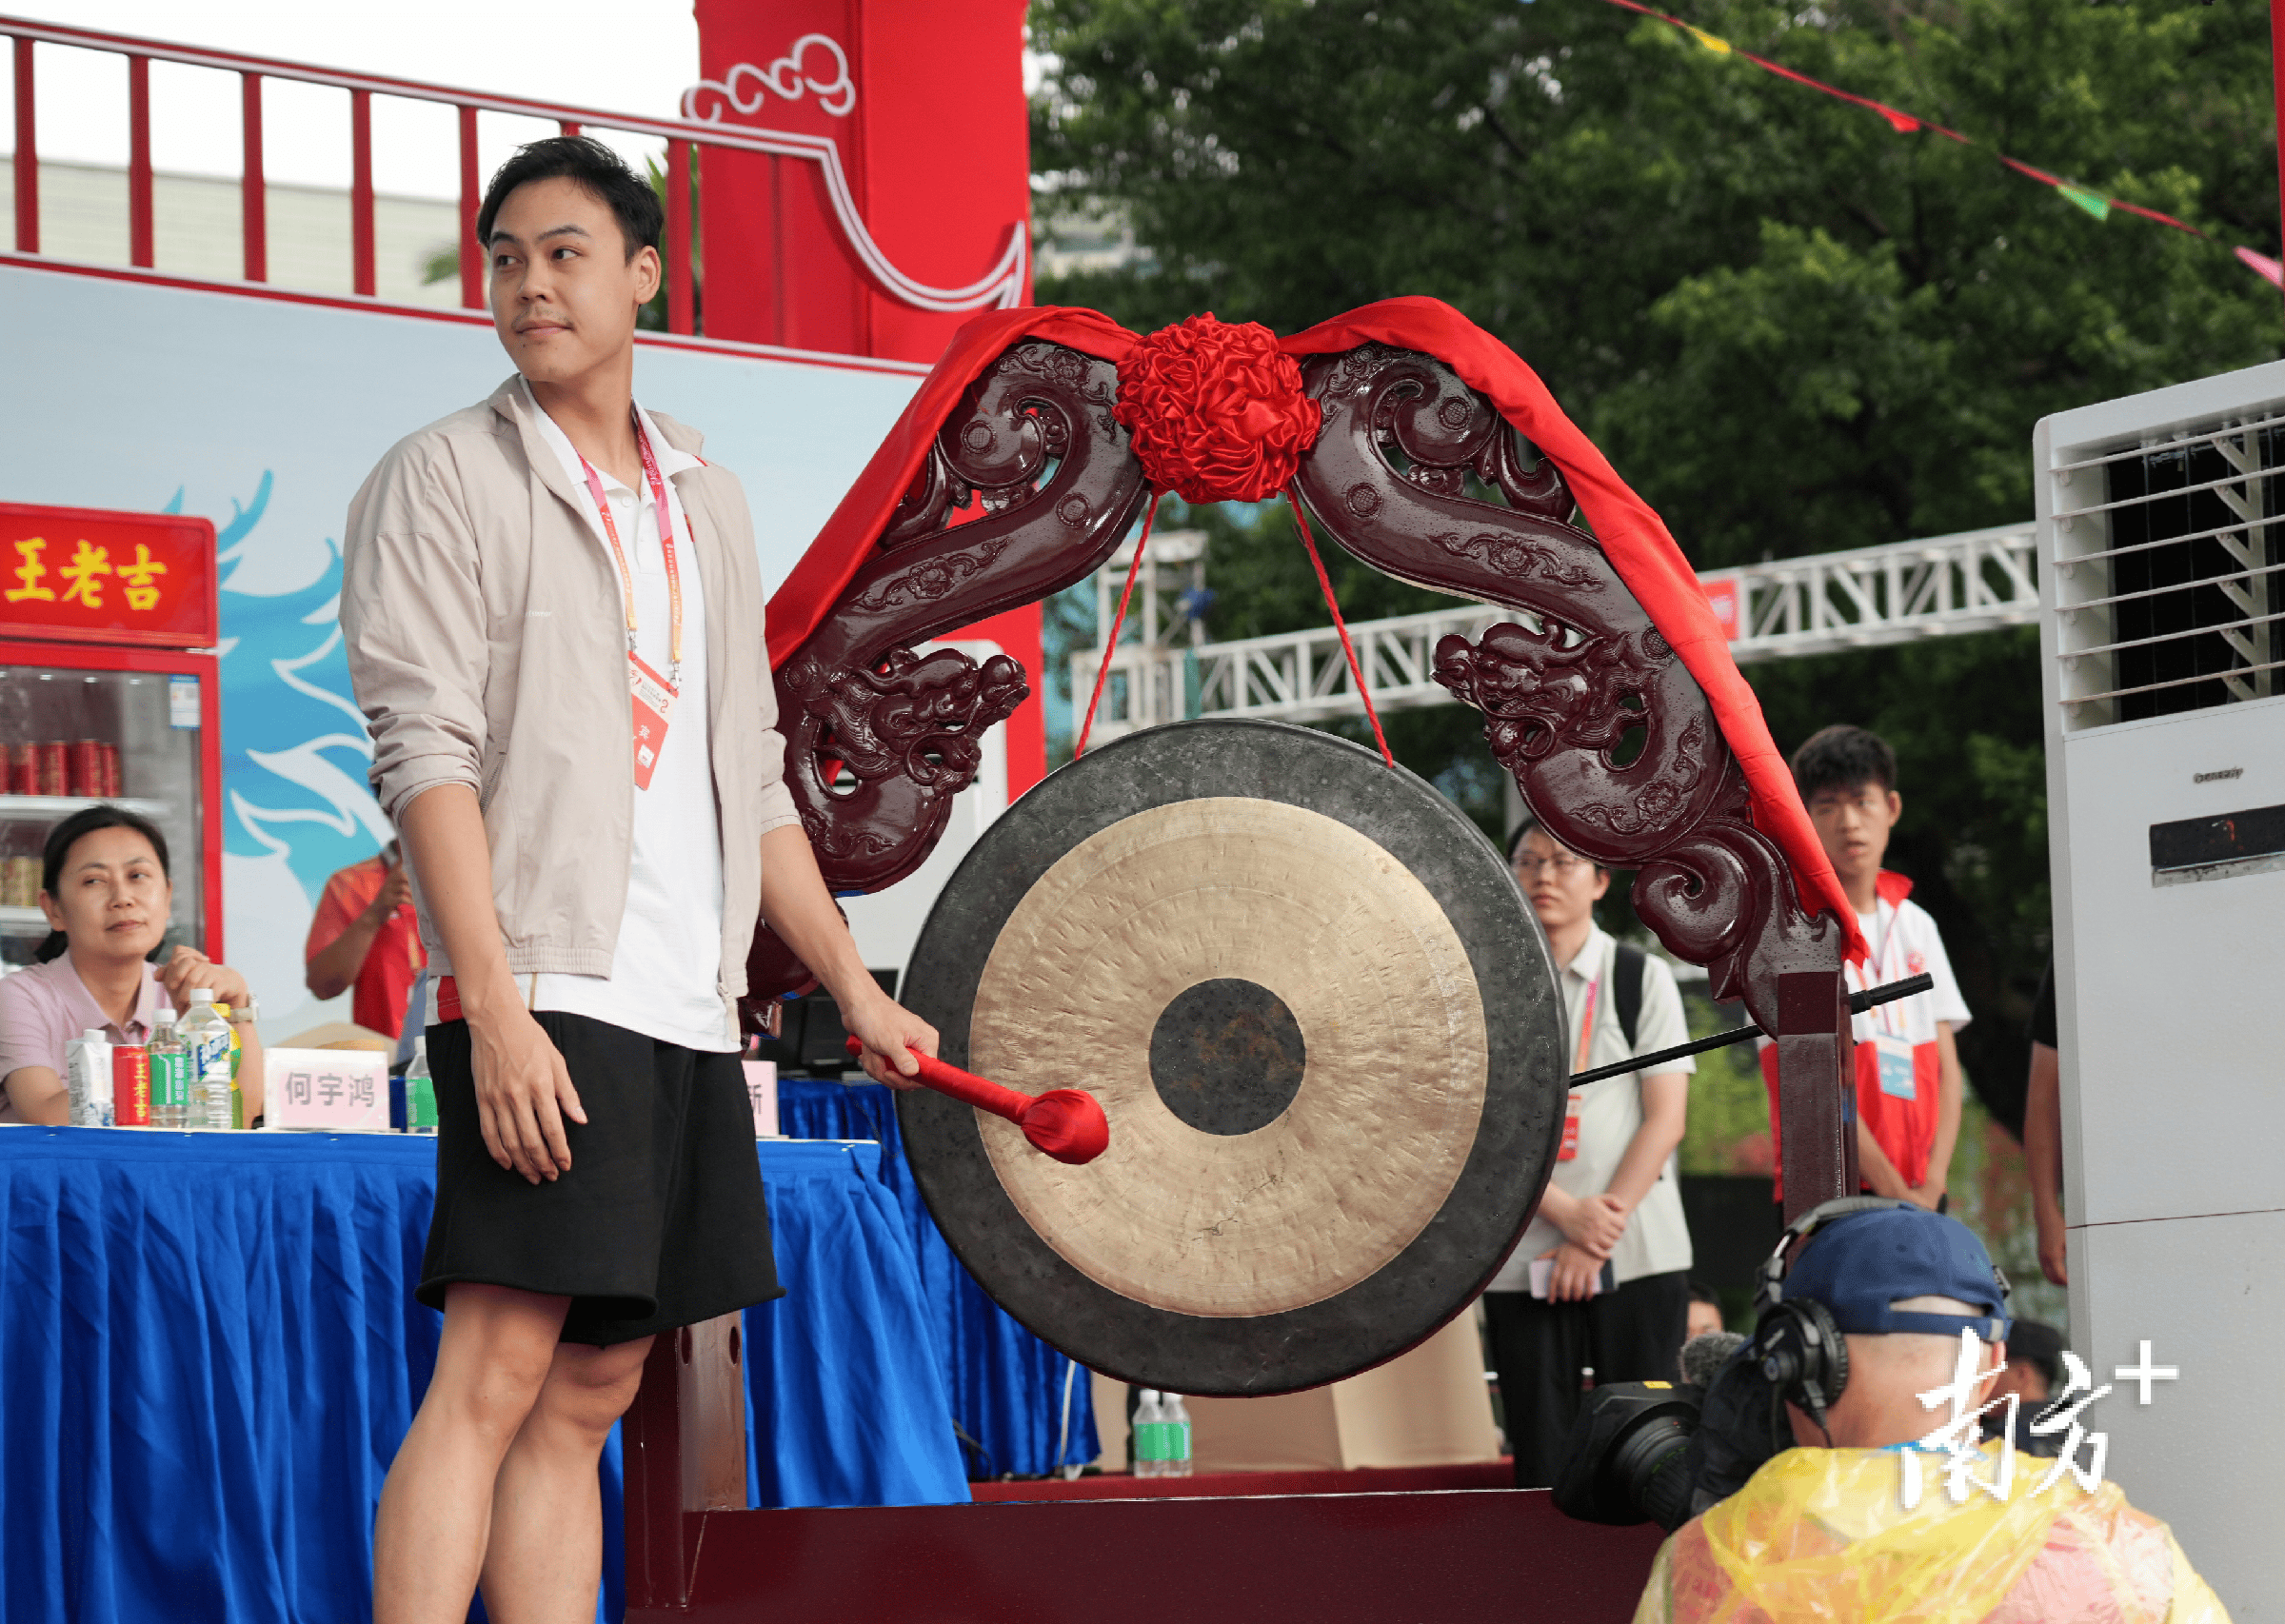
<point x="105" y="889"/>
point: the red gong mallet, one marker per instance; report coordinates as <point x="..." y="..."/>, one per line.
<point x="1067" y="1123"/>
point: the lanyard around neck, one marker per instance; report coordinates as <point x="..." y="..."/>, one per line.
<point x="1586" y="1026"/>
<point x="1891" y="1019"/>
<point x="627" y="580"/>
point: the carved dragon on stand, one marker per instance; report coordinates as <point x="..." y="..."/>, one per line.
<point x="1609" y="738"/>
<point x="1028" y="488"/>
<point x="1032" y="484"/>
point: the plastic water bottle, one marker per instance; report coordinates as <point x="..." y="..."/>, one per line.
<point x="1149" y="1449"/>
<point x="420" y="1091"/>
<point x="170" y="1074"/>
<point x="207" y="1035"/>
<point x="1178" y="1438"/>
<point x="232" y="1018"/>
<point x="244" y="1016"/>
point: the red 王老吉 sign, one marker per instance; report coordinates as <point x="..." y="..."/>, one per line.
<point x="85" y="575"/>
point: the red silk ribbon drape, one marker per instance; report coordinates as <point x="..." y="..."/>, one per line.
<point x="1633" y="537"/>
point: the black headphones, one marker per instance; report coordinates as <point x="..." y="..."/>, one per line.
<point x="1800" y="1352"/>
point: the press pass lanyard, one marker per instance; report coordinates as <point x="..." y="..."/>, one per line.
<point x="652" y="696"/>
<point x="1568" y="1150"/>
<point x="1891" y="1019"/>
<point x="627" y="580"/>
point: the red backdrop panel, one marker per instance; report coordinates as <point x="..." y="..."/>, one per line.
<point x="935" y="142"/>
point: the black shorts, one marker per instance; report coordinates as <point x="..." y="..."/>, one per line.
<point x="660" y="1223"/>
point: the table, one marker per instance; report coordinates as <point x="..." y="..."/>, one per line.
<point x="209" y="1350"/>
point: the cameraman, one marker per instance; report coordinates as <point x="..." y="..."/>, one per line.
<point x="1822" y="1531"/>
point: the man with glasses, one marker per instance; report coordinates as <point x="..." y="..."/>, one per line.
<point x="1600" y="1283"/>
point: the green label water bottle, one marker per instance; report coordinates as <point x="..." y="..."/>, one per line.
<point x="1149" y="1451"/>
<point x="1177" y="1446"/>
<point x="170" y="1074"/>
<point x="420" y="1092"/>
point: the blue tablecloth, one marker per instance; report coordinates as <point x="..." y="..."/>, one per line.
<point x="209" y="1350"/>
<point x="1008" y="1387"/>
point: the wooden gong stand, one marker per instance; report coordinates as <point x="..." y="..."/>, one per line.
<point x="1611" y="741"/>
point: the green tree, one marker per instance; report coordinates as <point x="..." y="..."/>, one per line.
<point x="1792" y="328"/>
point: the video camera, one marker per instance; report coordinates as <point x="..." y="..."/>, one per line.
<point x="1660" y="1451"/>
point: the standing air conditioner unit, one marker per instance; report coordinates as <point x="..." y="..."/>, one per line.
<point x="2162" y="642"/>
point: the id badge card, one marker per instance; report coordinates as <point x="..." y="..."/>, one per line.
<point x="1895" y="1066"/>
<point x="1542" y="1277"/>
<point x="654" y="699"/>
<point x="1569" y="1150"/>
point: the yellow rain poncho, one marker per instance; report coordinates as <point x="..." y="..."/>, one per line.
<point x="1822" y="1534"/>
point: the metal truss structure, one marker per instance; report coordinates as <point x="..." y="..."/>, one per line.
<point x="1904" y="592"/>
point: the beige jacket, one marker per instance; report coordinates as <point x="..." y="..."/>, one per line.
<point x="486" y="642"/>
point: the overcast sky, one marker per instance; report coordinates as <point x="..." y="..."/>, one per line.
<point x="630" y="57"/>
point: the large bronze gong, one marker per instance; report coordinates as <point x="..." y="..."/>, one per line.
<point x="1321" y="1018"/>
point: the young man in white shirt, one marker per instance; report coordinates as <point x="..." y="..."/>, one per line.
<point x="553" y="618"/>
<point x="1613" y="1200"/>
<point x="1908" y="1076"/>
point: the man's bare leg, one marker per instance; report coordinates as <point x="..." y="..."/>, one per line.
<point x="492" y="1365"/>
<point x="545" y="1558"/>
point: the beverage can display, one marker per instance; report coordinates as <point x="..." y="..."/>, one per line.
<point x="20" y="883"/>
<point x="130" y="1085"/>
<point x="83" y="769"/>
<point x="50" y="772"/>
<point x="110" y="790"/>
<point x="23" y="776"/>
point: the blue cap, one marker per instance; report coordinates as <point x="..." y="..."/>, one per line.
<point x="1859" y="1263"/>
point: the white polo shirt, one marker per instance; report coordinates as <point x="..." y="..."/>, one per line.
<point x="666" y="969"/>
<point x="1658" y="1238"/>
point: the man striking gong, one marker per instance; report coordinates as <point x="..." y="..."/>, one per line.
<point x="513" y="576"/>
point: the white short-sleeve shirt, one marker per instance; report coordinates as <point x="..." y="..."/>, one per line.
<point x="1658" y="1238"/>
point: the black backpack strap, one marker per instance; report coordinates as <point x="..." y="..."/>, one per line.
<point x="1626" y="989"/>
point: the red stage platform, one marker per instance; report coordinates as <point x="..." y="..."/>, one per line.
<point x="1438" y="1558"/>
<point x="1233" y="1485"/>
<point x="1449" y="1545"/>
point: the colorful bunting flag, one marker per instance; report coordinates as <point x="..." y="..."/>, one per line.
<point x="2097" y="204"/>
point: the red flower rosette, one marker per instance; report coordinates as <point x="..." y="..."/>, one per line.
<point x="1214" y="411"/>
